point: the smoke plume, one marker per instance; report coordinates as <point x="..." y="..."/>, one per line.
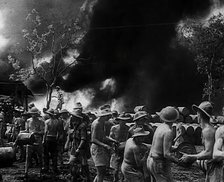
<point x="133" y="41"/>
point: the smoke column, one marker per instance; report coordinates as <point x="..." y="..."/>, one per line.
<point x="133" y="41"/>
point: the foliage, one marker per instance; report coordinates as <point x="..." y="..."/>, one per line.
<point x="49" y="46"/>
<point x="205" y="39"/>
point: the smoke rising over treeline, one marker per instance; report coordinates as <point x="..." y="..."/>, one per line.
<point x="132" y="41"/>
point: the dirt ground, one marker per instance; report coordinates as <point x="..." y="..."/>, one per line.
<point x="15" y="173"/>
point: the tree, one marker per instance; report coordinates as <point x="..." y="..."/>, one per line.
<point x="205" y="39"/>
<point x="48" y="46"/>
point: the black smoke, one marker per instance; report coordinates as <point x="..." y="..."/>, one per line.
<point x="134" y="42"/>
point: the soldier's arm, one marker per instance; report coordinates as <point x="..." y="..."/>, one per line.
<point x="217" y="151"/>
<point x="209" y="144"/>
<point x="167" y="146"/>
<point x="83" y="141"/>
<point x="112" y="135"/>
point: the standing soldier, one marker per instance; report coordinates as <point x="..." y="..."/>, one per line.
<point x="204" y="112"/>
<point x="63" y="120"/>
<point x="80" y="151"/>
<point x="160" y="157"/>
<point x="51" y="133"/>
<point x="35" y="126"/>
<point x="18" y="121"/>
<point x="101" y="144"/>
<point x="119" y="133"/>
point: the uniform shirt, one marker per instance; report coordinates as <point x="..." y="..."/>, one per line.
<point x="79" y="129"/>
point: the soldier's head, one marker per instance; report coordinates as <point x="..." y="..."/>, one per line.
<point x="78" y="107"/>
<point x="124" y="118"/>
<point x="140" y="117"/>
<point x="64" y="113"/>
<point x="168" y="115"/>
<point x="34" y="112"/>
<point x="139" y="135"/>
<point x="204" y="111"/>
<point x="104" y="112"/>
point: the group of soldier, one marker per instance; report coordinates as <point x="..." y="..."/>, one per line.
<point x="136" y="152"/>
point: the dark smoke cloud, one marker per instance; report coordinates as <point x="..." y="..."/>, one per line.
<point x="141" y="53"/>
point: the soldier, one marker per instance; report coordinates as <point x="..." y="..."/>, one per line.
<point x="51" y="133"/>
<point x="35" y="126"/>
<point x="160" y="156"/>
<point x="204" y="112"/>
<point x="60" y="98"/>
<point x="140" y="119"/>
<point x="101" y="144"/>
<point x="135" y="155"/>
<point x="80" y="151"/>
<point x="119" y="133"/>
<point x="63" y="120"/>
<point x="18" y="121"/>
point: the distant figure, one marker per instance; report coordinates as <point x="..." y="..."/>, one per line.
<point x="60" y="97"/>
<point x="135" y="155"/>
<point x="119" y="133"/>
<point x="160" y="157"/>
<point x="204" y="112"/>
<point x="101" y="144"/>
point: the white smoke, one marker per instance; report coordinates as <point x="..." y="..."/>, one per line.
<point x="72" y="56"/>
<point x="3" y="40"/>
<point x="119" y="104"/>
<point x="109" y="85"/>
<point x="84" y="96"/>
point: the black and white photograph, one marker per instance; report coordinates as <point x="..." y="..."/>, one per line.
<point x="111" y="91"/>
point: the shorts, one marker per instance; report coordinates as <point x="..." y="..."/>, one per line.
<point x="160" y="169"/>
<point x="131" y="174"/>
<point x="100" y="156"/>
<point x="116" y="161"/>
<point x="213" y="170"/>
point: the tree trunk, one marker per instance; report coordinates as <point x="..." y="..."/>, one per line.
<point x="49" y="94"/>
<point x="210" y="87"/>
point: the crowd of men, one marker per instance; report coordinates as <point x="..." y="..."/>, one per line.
<point x="136" y="152"/>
